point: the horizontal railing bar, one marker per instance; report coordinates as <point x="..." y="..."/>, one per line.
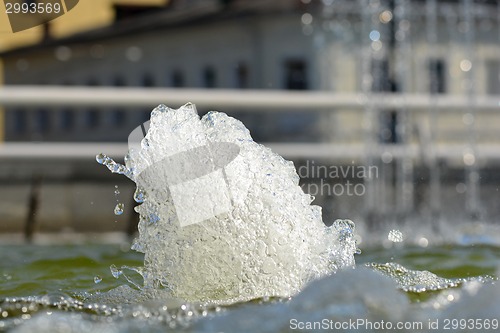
<point x="70" y="151"/>
<point x="86" y="151"/>
<point x="268" y="100"/>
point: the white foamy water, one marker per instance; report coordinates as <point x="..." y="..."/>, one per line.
<point x="254" y="234"/>
<point x="222" y="217"/>
<point x="352" y="300"/>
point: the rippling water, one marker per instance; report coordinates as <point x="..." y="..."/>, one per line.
<point x="229" y="242"/>
<point x="52" y="289"/>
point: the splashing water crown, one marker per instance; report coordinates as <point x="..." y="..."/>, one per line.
<point x="222" y="217"/>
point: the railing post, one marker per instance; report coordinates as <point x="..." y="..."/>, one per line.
<point x="33" y="207"/>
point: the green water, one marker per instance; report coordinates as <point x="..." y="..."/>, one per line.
<point x="31" y="270"/>
<point x="69" y="272"/>
<point x="448" y="261"/>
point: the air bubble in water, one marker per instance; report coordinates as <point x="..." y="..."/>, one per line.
<point x="119" y="208"/>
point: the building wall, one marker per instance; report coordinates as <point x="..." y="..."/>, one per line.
<point x="264" y="45"/>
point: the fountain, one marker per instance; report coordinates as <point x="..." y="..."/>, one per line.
<point x="213" y="201"/>
<point x="401" y="49"/>
<point x="231" y="243"/>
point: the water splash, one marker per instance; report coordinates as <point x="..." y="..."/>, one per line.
<point x="115" y="271"/>
<point x="119" y="208"/>
<point x="113" y="166"/>
<point x="222" y="217"/>
<point x="415" y="281"/>
<point x="395" y="236"/>
<point x="139" y="195"/>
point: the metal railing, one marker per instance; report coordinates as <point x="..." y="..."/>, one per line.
<point x="267" y="100"/>
<point x="249" y="101"/>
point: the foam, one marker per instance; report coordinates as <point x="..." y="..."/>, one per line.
<point x="243" y="228"/>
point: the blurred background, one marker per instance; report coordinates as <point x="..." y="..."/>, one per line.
<point x="390" y="109"/>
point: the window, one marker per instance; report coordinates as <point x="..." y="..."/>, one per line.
<point x="388" y="119"/>
<point x="209" y="77"/>
<point x="242" y="76"/>
<point x="20" y="120"/>
<point x="91" y="117"/>
<point x="148" y="80"/>
<point x="296" y="75"/>
<point x="382" y="81"/>
<point x="437" y="76"/>
<point x="177" y="79"/>
<point x="67" y="119"/>
<point x="118" y="114"/>
<point x="493" y="77"/>
<point x="92" y="82"/>
<point x="118" y="117"/>
<point x="119" y="81"/>
<point x="42" y="120"/>
<point x="388" y="127"/>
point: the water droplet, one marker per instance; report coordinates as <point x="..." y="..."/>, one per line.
<point x="395" y="236"/>
<point x="97" y="279"/>
<point x="374" y="35"/>
<point x="119" y="208"/>
<point x="100" y="158"/>
<point x="306" y="18"/>
<point x="461" y="188"/>
<point x="385" y="16"/>
<point x="465" y="65"/>
<point x="469" y="159"/>
<point x="137" y="247"/>
<point x="115" y="271"/>
<point x="423" y="242"/>
<point x="139" y="195"/>
<point x="345" y="228"/>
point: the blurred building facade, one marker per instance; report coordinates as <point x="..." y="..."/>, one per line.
<point x="432" y="48"/>
<point x="286" y="44"/>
